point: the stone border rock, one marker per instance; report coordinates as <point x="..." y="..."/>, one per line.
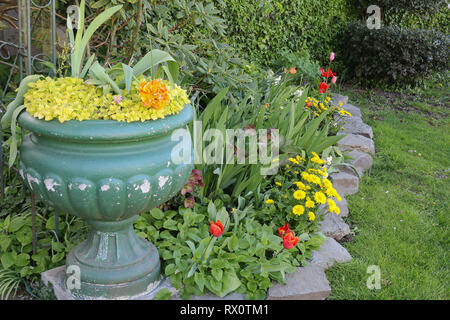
<point x="309" y="282"/>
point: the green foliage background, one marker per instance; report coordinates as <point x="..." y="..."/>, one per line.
<point x="415" y="20"/>
<point x="260" y="30"/>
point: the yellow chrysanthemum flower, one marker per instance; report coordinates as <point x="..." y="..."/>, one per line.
<point x="331" y="205"/>
<point x="320" y="197"/>
<point x="311" y="216"/>
<point x="327" y="183"/>
<point x="299" y="194"/>
<point x="337" y="210"/>
<point x="300" y="185"/>
<point x="309" y="203"/>
<point x="269" y="201"/>
<point x="298" y="210"/>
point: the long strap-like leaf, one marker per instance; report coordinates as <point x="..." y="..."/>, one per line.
<point x="13" y="146"/>
<point x="80" y="45"/>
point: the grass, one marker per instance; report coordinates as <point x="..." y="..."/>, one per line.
<point x="400" y="216"/>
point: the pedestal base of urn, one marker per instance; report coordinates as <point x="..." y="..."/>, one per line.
<point x="113" y="263"/>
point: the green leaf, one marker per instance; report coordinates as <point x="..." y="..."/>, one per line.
<point x="304" y="237"/>
<point x="128" y="76"/>
<point x="209" y="249"/>
<point x="99" y="72"/>
<point x="8" y="259"/>
<point x="233" y="243"/>
<point x="201" y="248"/>
<point x="16" y="224"/>
<point x="157" y="213"/>
<point x="81" y="43"/>
<point x="252" y="286"/>
<point x="170" y="269"/>
<point x="5" y="242"/>
<point x="212" y="211"/>
<point x="230" y="282"/>
<point x="174" y="70"/>
<point x="199" y="279"/>
<point x="58" y="257"/>
<point x="192" y="270"/>
<point x="169" y="75"/>
<point x="151" y="59"/>
<point x="177" y="280"/>
<point x="217" y="274"/>
<point x="213" y="105"/>
<point x="163" y="294"/>
<point x="13" y="146"/>
<point x="170" y="224"/>
<point x="191" y="245"/>
<point x="87" y="66"/>
<point x="18" y="101"/>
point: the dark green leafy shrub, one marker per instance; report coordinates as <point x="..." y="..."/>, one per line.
<point x="393" y="55"/>
<point x="410" y="5"/>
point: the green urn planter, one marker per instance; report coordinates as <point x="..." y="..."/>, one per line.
<point x="107" y="173"/>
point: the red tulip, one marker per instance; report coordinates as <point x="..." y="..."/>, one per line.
<point x="282" y="231"/>
<point x="216" y="229"/>
<point x="289" y="241"/>
<point x="323" y="87"/>
<point x="328" y="73"/>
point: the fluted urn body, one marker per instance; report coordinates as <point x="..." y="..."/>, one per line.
<point x="107" y="172"/>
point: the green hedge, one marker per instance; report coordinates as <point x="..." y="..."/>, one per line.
<point x="439" y="20"/>
<point x="393" y="55"/>
<point x="409" y="5"/>
<point x="263" y="29"/>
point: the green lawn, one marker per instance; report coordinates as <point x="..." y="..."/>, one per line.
<point x="400" y="217"/>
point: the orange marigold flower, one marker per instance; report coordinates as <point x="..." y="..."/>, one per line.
<point x="154" y="94"/>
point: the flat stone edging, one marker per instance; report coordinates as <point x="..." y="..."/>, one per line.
<point x="309" y="282"/>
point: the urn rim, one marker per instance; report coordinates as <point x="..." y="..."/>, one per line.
<point x="106" y="130"/>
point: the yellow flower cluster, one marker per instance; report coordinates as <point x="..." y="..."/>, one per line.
<point x="72" y="99"/>
<point x="316" y="107"/>
<point x="296" y="160"/>
<point x="316" y="159"/>
<point x="315" y="189"/>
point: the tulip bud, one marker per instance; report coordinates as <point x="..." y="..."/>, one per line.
<point x="333" y="80"/>
<point x="332" y="56"/>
